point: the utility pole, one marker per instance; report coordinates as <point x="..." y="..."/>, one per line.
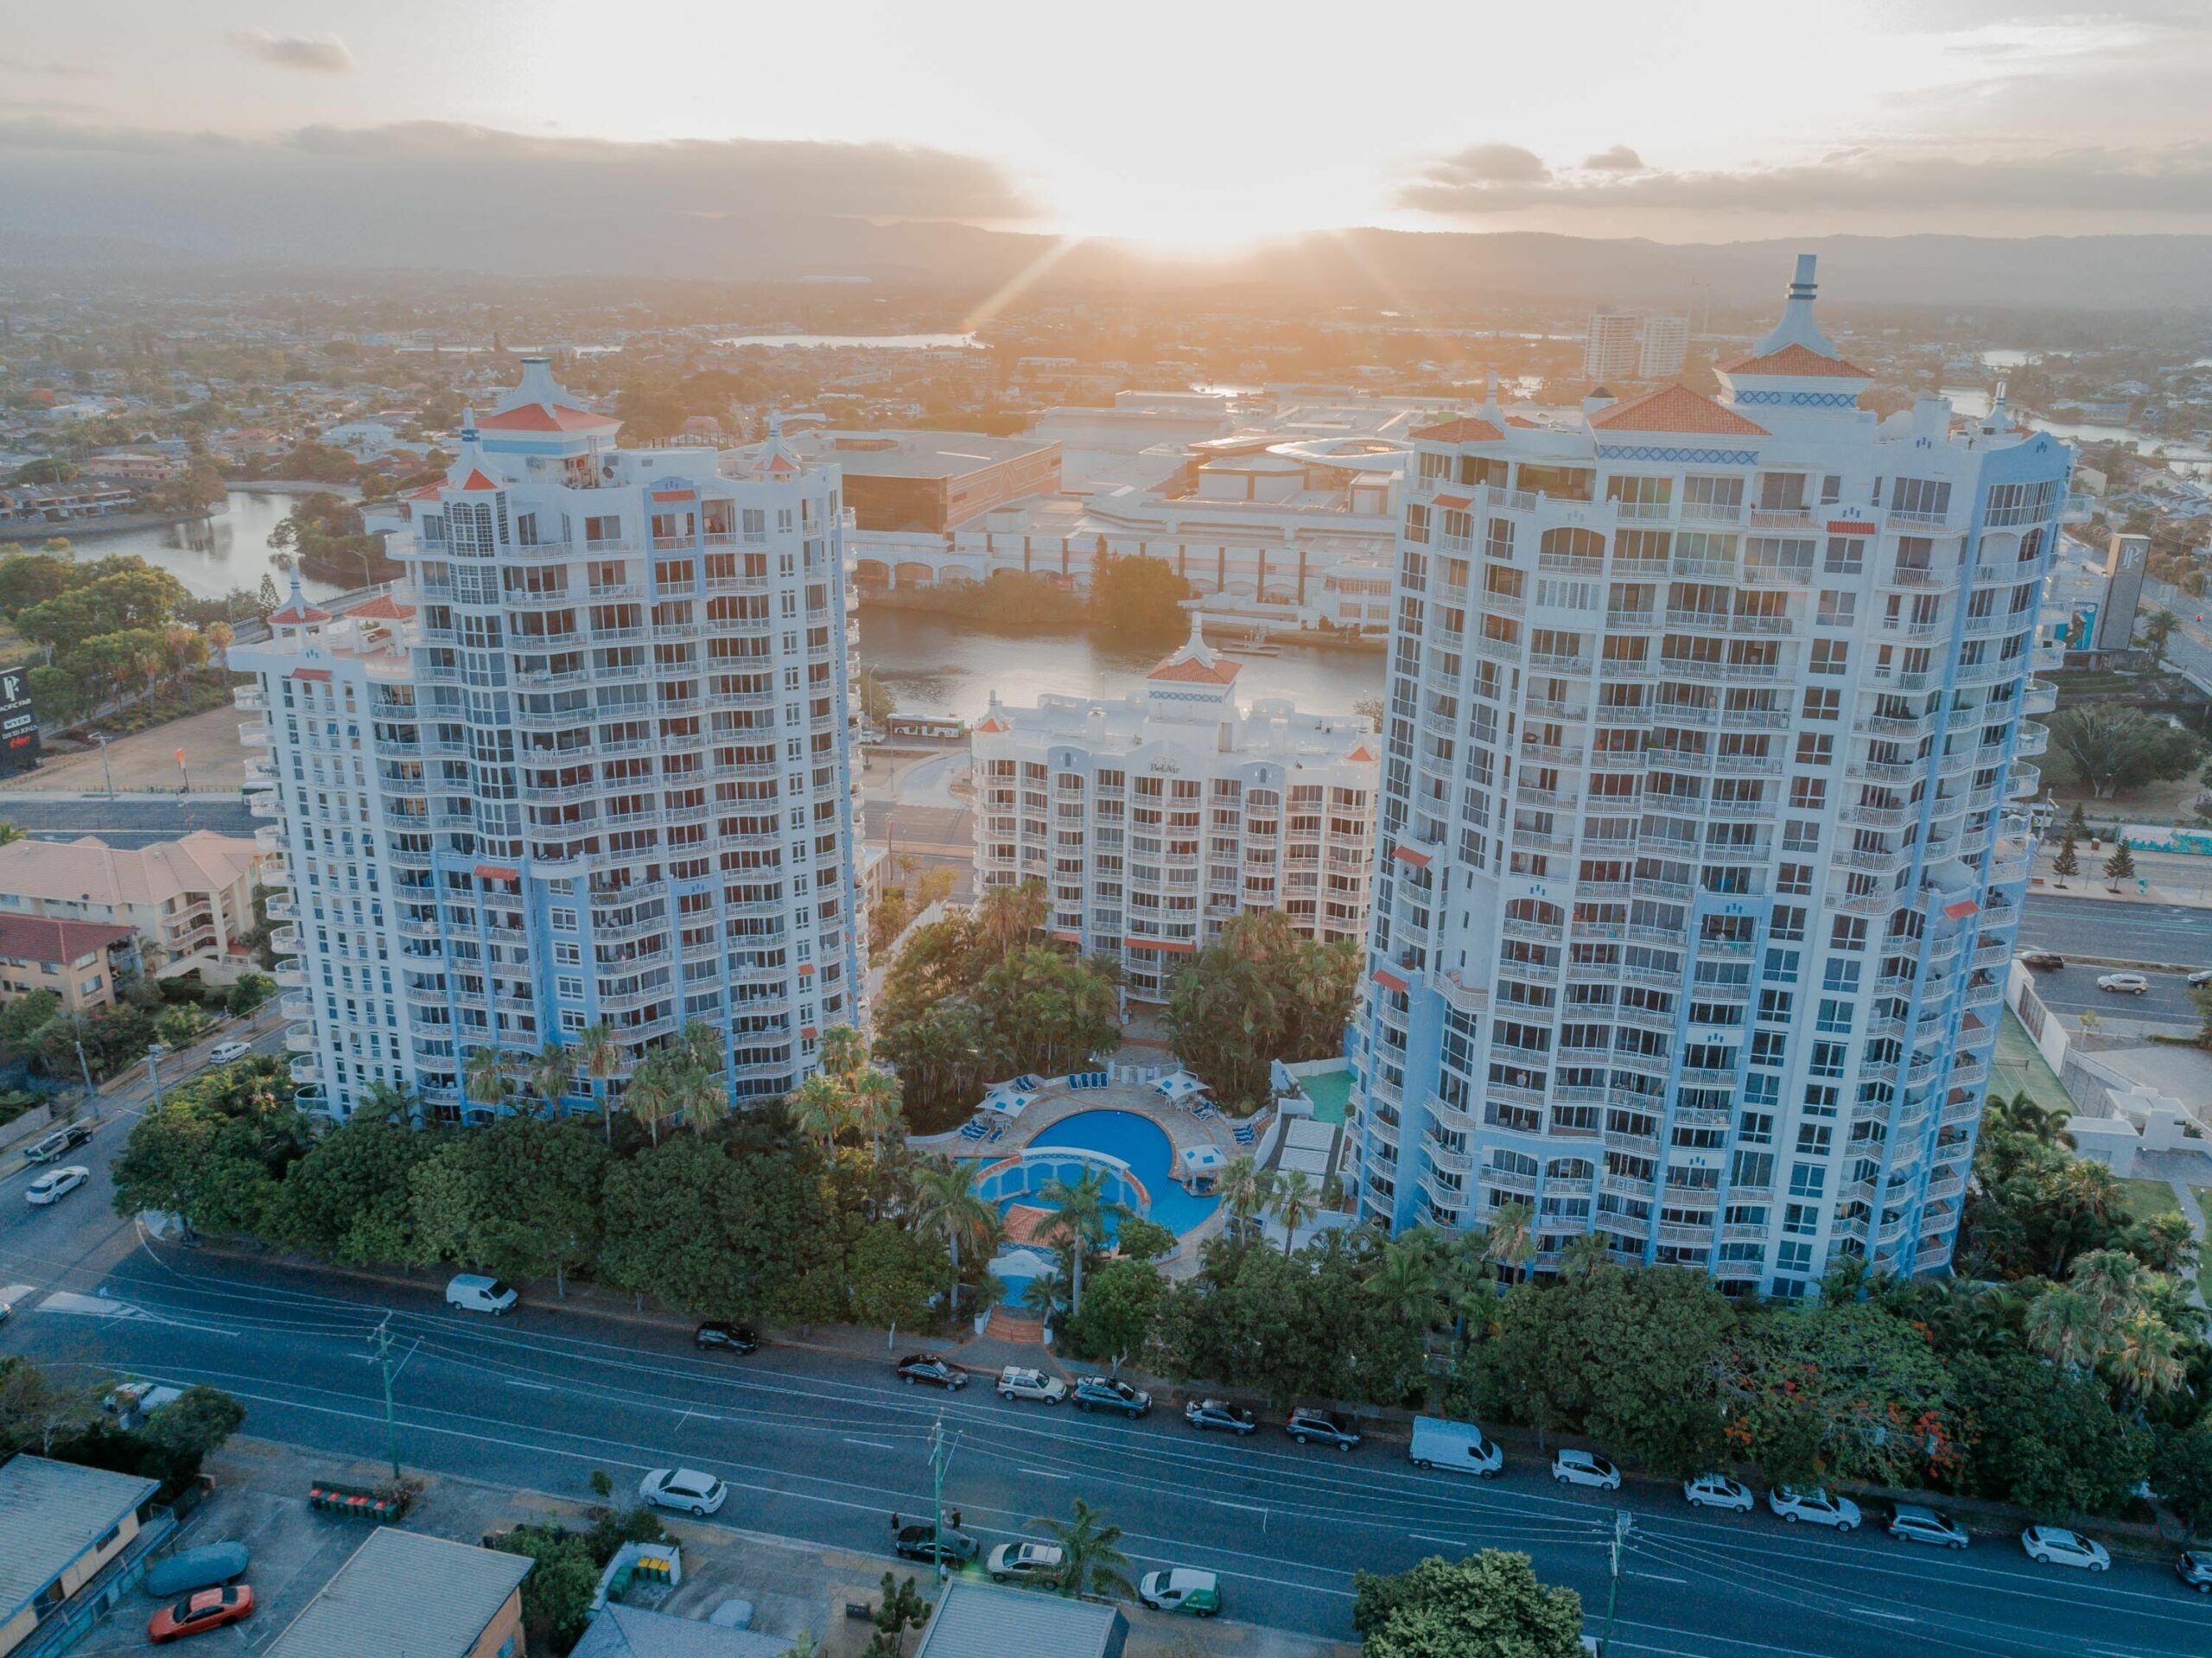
<point x="382" y="1337"/>
<point x="85" y="1065"/>
<point x="153" y="1051"/>
<point x="940" y="1459"/>
<point x="1621" y="1523"/>
<point x="104" y="769"/>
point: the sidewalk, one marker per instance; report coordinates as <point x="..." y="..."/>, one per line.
<point x="2169" y="878"/>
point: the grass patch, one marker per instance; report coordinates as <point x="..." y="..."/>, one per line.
<point x="2203" y="1196"/>
<point x="2148" y="1199"/>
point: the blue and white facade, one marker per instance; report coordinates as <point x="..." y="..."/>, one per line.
<point x="591" y="762"/>
<point x="1697" y="864"/>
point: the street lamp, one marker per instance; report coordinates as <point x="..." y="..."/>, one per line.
<point x="104" y="770"/>
<point x="153" y="1051"/>
<point x="77" y="1032"/>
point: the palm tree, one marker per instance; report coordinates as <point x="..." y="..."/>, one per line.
<point x="1082" y="1211"/>
<point x="1091" y="1560"/>
<point x="2146" y="1357"/>
<point x="2157" y="631"/>
<point x="649" y="1097"/>
<point x="697" y="1096"/>
<point x="948" y="1207"/>
<point x="1295" y="1203"/>
<point x="600" y="1054"/>
<point x="2064" y="1326"/>
<point x="1403" y="1282"/>
<point x="844" y="1051"/>
<point x="1510" y="1239"/>
<point x="1041" y="1298"/>
<point x="702" y="1045"/>
<point x="389" y="1102"/>
<point x="873" y="1098"/>
<point x="485" y="1076"/>
<point x="1244" y="1186"/>
<point x="549" y="1077"/>
<point x="10" y="833"/>
<point x="820" y="1110"/>
<point x="2113" y="1280"/>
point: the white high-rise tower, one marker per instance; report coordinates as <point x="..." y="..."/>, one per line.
<point x="1697" y="880"/>
<point x="592" y="764"/>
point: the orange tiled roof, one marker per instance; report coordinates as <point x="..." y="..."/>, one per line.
<point x="1465" y="430"/>
<point x="1793" y="360"/>
<point x="1676" y="409"/>
<point x="545" y="417"/>
<point x="476" y="480"/>
<point x="383" y="608"/>
<point x="1191" y="670"/>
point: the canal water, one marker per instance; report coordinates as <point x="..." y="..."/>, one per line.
<point x="214" y="555"/>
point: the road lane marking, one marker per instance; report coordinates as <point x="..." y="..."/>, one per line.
<point x="534" y="1386"/>
<point x="1876" y="1611"/>
<point x="1448" y="1542"/>
<point x="876" y="1444"/>
<point x="1041" y="1473"/>
<point x="1657" y="1577"/>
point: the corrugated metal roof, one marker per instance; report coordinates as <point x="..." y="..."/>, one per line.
<point x="636" y="1632"/>
<point x="986" y="1620"/>
<point x="405" y="1595"/>
<point x="50" y="1513"/>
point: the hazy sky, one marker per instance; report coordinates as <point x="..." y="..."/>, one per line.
<point x="1187" y="124"/>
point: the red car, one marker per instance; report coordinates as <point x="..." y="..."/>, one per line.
<point x="210" y="1609"/>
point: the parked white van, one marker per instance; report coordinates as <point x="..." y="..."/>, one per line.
<point x="474" y="1293"/>
<point x="1459" y="1447"/>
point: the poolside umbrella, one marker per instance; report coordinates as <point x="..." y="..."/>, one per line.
<point x="1180" y="1087"/>
<point x="1007" y="1101"/>
<point x="1202" y="1162"/>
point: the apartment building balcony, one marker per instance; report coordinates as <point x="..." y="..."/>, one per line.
<point x="2025" y="783"/>
<point x="254" y="734"/>
<point x="300" y="1039"/>
<point x="296" y="1006"/>
<point x="250" y="699"/>
<point x="294" y="977"/>
<point x="2038" y="696"/>
<point x="284" y="941"/>
<point x="1448" y="1158"/>
<point x="265" y="804"/>
<point x="308" y="1071"/>
<point x="1450" y="1200"/>
<point x="2034" y="738"/>
<point x="274" y="870"/>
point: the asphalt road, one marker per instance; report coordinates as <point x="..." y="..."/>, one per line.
<point x="824" y="1446"/>
<point x="127" y="821"/>
<point x="2078" y="927"/>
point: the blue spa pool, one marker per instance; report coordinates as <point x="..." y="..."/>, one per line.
<point x="1144" y="1146"/>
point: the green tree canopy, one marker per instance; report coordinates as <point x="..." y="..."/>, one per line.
<point x="1260" y="993"/>
<point x="2114" y="747"/>
<point x="1490" y="1605"/>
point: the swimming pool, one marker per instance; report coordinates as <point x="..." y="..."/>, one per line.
<point x="1144" y="1146"/>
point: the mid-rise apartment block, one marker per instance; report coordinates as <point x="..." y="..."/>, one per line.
<point x="1665" y="342"/>
<point x="1610" y="347"/>
<point x="1153" y="819"/>
<point x="591" y="764"/>
<point x="1700" y="858"/>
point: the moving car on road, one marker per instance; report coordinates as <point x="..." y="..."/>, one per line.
<point x="740" y="1339"/>
<point x="1586" y="1467"/>
<point x="62" y="1140"/>
<point x="1220" y="1414"/>
<point x="476" y="1292"/>
<point x="1718" y="1491"/>
<point x="1457" y="1446"/>
<point x="928" y="1367"/>
<point x="1112" y="1393"/>
<point x="210" y="1609"/>
<point x="1308" y="1424"/>
<point x="1183" y="1589"/>
<point x="1916" y="1524"/>
<point x="2055" y="1545"/>
<point x="1016" y="1383"/>
<point x="1815" y="1507"/>
<point x="686" y="1490"/>
<point x="224" y="1054"/>
<point x="923" y="1542"/>
<point x="1026" y="1562"/>
<point x="2043" y="960"/>
<point x="2124" y="984"/>
<point x="2194" y="1569"/>
<point x="55" y="1184"/>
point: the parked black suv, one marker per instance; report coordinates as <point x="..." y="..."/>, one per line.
<point x="923" y="1542"/>
<point x="1218" y="1414"/>
<point x="730" y="1338"/>
<point x="1307" y="1425"/>
<point x="1105" y="1393"/>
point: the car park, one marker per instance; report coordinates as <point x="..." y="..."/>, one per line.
<point x="2055" y="1545"/>
<point x="1219" y="1414"/>
<point x="1181" y="1589"/>
<point x="1916" y="1524"/>
<point x="55" y="1184"/>
<point x="1026" y="1562"/>
<point x="2194" y="1568"/>
<point x="2124" y="984"/>
<point x="1815" y="1508"/>
<point x="1586" y="1467"/>
<point x="58" y="1142"/>
<point x="685" y="1489"/>
<point x="2043" y="960"/>
<point x="1110" y="1393"/>
<point x="1310" y="1425"/>
<point x="1016" y="1383"/>
<point x="1718" y="1491"/>
<point x="1456" y="1447"/>
<point x="224" y="1054"/>
<point x="923" y="1542"/>
<point x="720" y="1337"/>
<point x="478" y="1292"/>
<point x="210" y="1609"/>
<point x="928" y="1367"/>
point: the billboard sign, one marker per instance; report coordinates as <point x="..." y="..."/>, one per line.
<point x="18" y="724"/>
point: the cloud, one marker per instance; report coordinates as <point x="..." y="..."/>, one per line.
<point x="54" y="68"/>
<point x="445" y="194"/>
<point x="2168" y="181"/>
<point x="1481" y="166"/>
<point x="327" y="56"/>
<point x="1619" y="159"/>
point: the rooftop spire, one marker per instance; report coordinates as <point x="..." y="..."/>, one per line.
<point x="1797" y="326"/>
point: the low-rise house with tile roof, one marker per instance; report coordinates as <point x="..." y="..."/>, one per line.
<point x="79" y="961"/>
<point x="188" y="900"/>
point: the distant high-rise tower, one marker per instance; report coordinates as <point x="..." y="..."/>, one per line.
<point x="1697" y="874"/>
<point x="1666" y="339"/>
<point x="591" y="764"/>
<point x="1610" y="352"/>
